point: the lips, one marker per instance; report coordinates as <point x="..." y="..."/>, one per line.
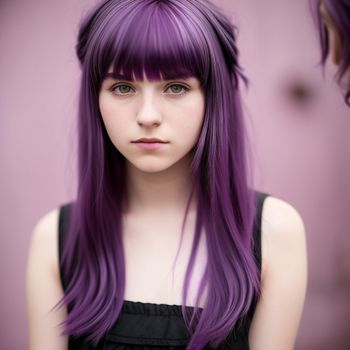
<point x="150" y="145"/>
<point x="149" y="140"/>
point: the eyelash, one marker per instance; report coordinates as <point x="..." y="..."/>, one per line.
<point x="184" y="91"/>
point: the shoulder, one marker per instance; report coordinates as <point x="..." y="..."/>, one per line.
<point x="44" y="239"/>
<point x="280" y="213"/>
<point x="46" y="227"/>
<point x="43" y="286"/>
<point x="284" y="277"/>
<point x="282" y="232"/>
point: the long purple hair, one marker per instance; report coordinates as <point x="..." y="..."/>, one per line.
<point x="163" y="39"/>
<point x="339" y="11"/>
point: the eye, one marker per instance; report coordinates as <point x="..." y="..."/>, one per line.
<point x="121" y="89"/>
<point x="178" y="89"/>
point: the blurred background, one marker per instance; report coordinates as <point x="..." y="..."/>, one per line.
<point x="298" y="122"/>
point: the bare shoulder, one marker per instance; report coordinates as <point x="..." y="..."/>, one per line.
<point x="43" y="286"/>
<point x="282" y="228"/>
<point x="44" y="240"/>
<point x="284" y="277"/>
<point x="47" y="222"/>
<point x="278" y="214"/>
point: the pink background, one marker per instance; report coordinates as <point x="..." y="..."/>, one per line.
<point x="302" y="150"/>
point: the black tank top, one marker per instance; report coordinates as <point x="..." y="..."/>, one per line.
<point x="148" y="326"/>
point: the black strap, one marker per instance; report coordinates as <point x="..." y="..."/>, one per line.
<point x="64" y="215"/>
<point x="261" y="196"/>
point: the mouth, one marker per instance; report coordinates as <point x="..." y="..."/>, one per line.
<point x="150" y="144"/>
<point x="149" y="140"/>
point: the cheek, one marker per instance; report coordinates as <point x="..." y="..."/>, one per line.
<point x="112" y="119"/>
<point x="196" y="124"/>
<point x="197" y="110"/>
<point x="192" y="119"/>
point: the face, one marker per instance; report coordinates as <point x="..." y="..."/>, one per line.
<point x="171" y="111"/>
<point x="334" y="37"/>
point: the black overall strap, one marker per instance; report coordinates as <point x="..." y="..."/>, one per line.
<point x="260" y="199"/>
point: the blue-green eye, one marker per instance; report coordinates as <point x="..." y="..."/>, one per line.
<point x="178" y="89"/>
<point x="121" y="89"/>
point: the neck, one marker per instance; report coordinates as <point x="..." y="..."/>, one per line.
<point x="161" y="192"/>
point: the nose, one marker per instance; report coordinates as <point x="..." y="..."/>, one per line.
<point x="149" y="113"/>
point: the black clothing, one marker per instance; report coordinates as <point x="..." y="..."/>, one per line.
<point x="147" y="326"/>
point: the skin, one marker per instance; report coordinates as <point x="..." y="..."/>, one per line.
<point x="159" y="183"/>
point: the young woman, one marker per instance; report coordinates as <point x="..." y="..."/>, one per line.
<point x="166" y="245"/>
<point x="333" y="22"/>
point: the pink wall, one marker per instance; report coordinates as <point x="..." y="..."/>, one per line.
<point x="38" y="91"/>
<point x="302" y="150"/>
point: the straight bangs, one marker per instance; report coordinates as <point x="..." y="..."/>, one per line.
<point x="156" y="40"/>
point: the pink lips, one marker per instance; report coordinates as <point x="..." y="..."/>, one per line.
<point x="150" y="143"/>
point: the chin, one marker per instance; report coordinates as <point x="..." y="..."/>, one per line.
<point x="149" y="166"/>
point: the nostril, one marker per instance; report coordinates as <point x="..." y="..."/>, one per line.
<point x="148" y="123"/>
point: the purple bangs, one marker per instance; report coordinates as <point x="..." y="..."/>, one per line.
<point x="156" y="39"/>
<point x="152" y="41"/>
